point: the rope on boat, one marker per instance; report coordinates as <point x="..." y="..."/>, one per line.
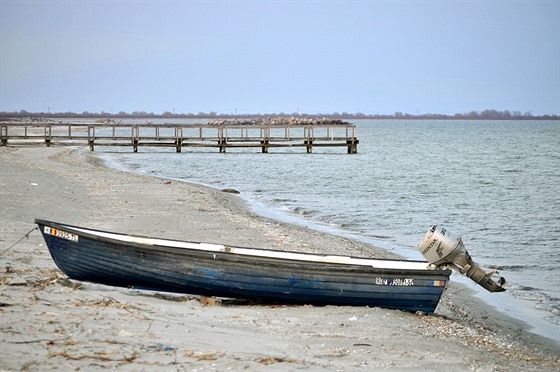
<point x="26" y="235"/>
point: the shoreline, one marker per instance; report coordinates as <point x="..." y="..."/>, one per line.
<point x="536" y="319"/>
<point x="72" y="186"/>
<point x="523" y="310"/>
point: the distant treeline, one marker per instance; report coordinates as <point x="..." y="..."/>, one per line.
<point x="473" y="115"/>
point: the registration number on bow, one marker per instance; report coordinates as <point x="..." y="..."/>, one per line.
<point x="61" y="234"/>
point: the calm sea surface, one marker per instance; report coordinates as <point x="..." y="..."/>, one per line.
<point x="495" y="183"/>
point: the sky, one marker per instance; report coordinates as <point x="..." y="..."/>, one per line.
<point x="371" y="57"/>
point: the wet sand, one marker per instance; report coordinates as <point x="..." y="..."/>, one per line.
<point x="51" y="322"/>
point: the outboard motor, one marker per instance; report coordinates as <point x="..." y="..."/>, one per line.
<point x="442" y="248"/>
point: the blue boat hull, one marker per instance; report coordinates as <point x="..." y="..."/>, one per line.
<point x="89" y="257"/>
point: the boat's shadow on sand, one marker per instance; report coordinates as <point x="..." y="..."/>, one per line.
<point x="212" y="301"/>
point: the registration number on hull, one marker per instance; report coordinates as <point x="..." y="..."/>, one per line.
<point x="406" y="282"/>
<point x="61" y="234"/>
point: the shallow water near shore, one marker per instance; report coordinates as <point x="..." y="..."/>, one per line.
<point x="494" y="183"/>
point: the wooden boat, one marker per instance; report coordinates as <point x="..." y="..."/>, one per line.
<point x="236" y="272"/>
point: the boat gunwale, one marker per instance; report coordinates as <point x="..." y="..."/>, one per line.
<point x="236" y="251"/>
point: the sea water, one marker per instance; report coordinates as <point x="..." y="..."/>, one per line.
<point x="495" y="183"/>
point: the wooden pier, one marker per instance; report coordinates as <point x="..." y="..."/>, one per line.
<point x="179" y="136"/>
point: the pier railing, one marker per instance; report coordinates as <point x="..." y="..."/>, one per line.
<point x="180" y="136"/>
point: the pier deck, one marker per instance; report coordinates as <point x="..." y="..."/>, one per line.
<point x="179" y="136"/>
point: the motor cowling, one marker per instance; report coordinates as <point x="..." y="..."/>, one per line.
<point x="442" y="248"/>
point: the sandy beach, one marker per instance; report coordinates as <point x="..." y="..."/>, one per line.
<point x="49" y="322"/>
